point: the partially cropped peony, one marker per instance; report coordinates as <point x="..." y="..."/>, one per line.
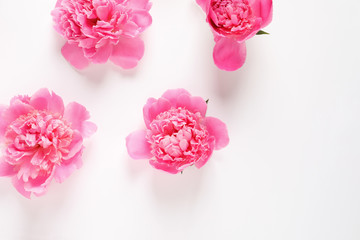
<point x="232" y="23"/>
<point x="177" y="134"/>
<point x="41" y="140"/>
<point x="99" y="30"/>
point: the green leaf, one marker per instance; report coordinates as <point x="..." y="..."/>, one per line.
<point x="207" y="101"/>
<point x="261" y="32"/>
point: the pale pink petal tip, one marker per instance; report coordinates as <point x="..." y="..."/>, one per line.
<point x="182" y="98"/>
<point x="164" y="167"/>
<point x="44" y="100"/>
<point x="203" y="4"/>
<point x="138" y="146"/>
<point x="6" y="169"/>
<point x="128" y="52"/>
<point x="229" y="55"/>
<point x="78" y="116"/>
<point x="219" y="130"/>
<point x="74" y="55"/>
<point x="264" y="10"/>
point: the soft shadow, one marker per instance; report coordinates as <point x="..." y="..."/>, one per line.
<point x="135" y="168"/>
<point x="125" y="73"/>
<point x="57" y="41"/>
<point x="5" y="186"/>
<point x="176" y="192"/>
<point x="227" y="83"/>
<point x="41" y="215"/>
<point x="94" y="73"/>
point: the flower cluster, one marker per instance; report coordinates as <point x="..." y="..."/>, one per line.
<point x="42" y="140"/>
<point x="232" y="23"/>
<point x="178" y="133"/>
<point x="98" y="30"/>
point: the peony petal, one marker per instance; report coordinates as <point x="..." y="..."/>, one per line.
<point x="6" y="169"/>
<point x="201" y="162"/>
<point x="43" y="100"/>
<point x="3" y="125"/>
<point x="102" y="54"/>
<point x="64" y="170"/>
<point x="19" y="186"/>
<point x="203" y="4"/>
<point x="58" y="3"/>
<point x="193" y="104"/>
<point x="128" y="52"/>
<point x="77" y="115"/>
<point x="39" y="184"/>
<point x="217" y="129"/>
<point x="228" y="54"/>
<point x="138" y="146"/>
<point x="142" y="18"/>
<point x="89" y="128"/>
<point x="161" y="105"/>
<point x="262" y="9"/>
<point x="146" y="109"/>
<point x="165" y="167"/>
<point x="16" y="109"/>
<point x="173" y="94"/>
<point x="74" y="55"/>
<point x="103" y="13"/>
<point x="139" y="4"/>
<point x="75" y="146"/>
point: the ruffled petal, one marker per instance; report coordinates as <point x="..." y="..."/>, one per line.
<point x="58" y="3"/>
<point x="68" y="167"/>
<point x="173" y="94"/>
<point x="137" y="145"/>
<point x="142" y="18"/>
<point x="201" y="162"/>
<point x="140" y="4"/>
<point x="3" y="125"/>
<point x="74" y="55"/>
<point x="165" y="167"/>
<point x="128" y="52"/>
<point x="219" y="130"/>
<point x="102" y="54"/>
<point x="103" y="12"/>
<point x="153" y="108"/>
<point x="39" y="184"/>
<point x="146" y="109"/>
<point x="203" y="4"/>
<point x="228" y="54"/>
<point x="77" y="115"/>
<point x="19" y="186"/>
<point x="182" y="98"/>
<point x="16" y="109"/>
<point x="6" y="169"/>
<point x="262" y="9"/>
<point x="193" y="104"/>
<point x="75" y="146"/>
<point x="43" y="100"/>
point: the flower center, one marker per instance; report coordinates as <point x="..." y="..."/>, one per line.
<point x="178" y="135"/>
<point x="40" y="136"/>
<point x="232" y="15"/>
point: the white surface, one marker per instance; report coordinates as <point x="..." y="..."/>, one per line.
<point x="291" y="170"/>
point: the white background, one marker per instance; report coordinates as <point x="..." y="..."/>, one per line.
<point x="291" y="170"/>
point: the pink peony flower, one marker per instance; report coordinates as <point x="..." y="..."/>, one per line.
<point x="178" y="133"/>
<point x="98" y="30"/>
<point x="232" y="23"/>
<point x="42" y="140"/>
